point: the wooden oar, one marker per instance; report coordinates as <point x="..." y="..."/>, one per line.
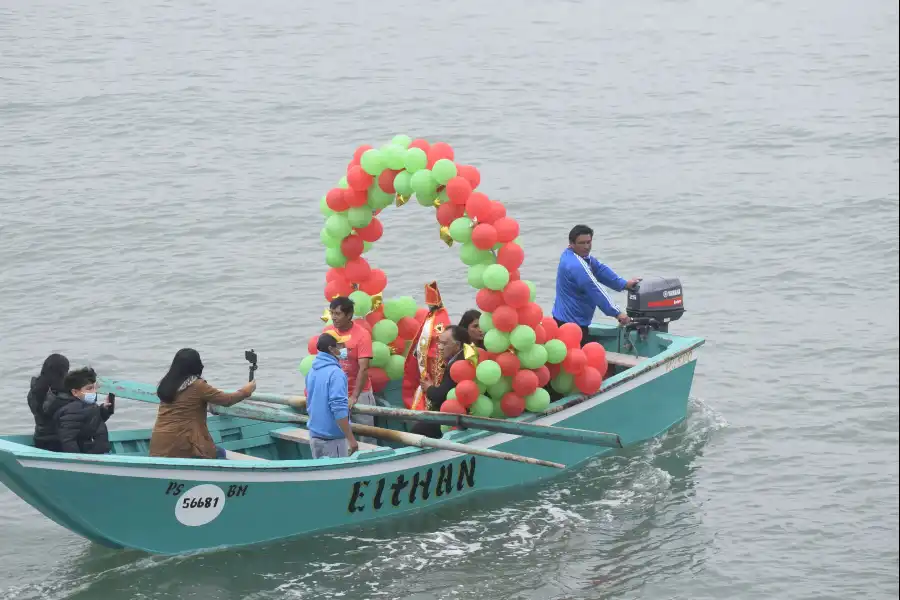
<point x="550" y="432"/>
<point x="259" y="412"/>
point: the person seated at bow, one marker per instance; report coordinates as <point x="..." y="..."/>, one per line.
<point x="470" y="322"/>
<point x="451" y="343"/>
<point x="79" y="420"/>
<point x="180" y="430"/>
<point x="45" y="385"/>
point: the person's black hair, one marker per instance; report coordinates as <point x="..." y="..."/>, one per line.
<point x="460" y="334"/>
<point x="186" y="364"/>
<point x="77" y="379"/>
<point x="579" y="230"/>
<point x="326" y="342"/>
<point x="469" y="317"/>
<point x="53" y="374"/>
<point x="342" y="303"/>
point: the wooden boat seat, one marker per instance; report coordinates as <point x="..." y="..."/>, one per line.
<point x="298" y="434"/>
<point x="624" y="360"/>
<point x="232" y="455"/>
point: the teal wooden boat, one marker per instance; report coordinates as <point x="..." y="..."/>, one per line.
<point x="170" y="506"/>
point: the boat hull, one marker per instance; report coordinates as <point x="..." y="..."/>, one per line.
<point x="173" y="506"/>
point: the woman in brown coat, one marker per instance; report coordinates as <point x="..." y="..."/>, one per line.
<point x="180" y="430"/>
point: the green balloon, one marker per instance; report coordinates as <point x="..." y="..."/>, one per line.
<point x="423" y="183"/>
<point x="495" y="340"/>
<point x="342" y="183"/>
<point x="401" y="140"/>
<point x="306" y="364"/>
<point x="367" y="246"/>
<point x="379" y="199"/>
<point x="470" y="255"/>
<point x="482" y="388"/>
<point x="444" y="170"/>
<point x="487" y="258"/>
<point x="534" y="357"/>
<point x="563" y="383"/>
<point x="461" y="230"/>
<point x="338" y="226"/>
<point x="482" y="407"/>
<point x="393" y="309"/>
<point x="475" y="277"/>
<point x="335" y="258"/>
<point x="328" y="240"/>
<point x="385" y="331"/>
<point x="522" y="337"/>
<point x="501" y="388"/>
<point x="402" y="184"/>
<point x="451" y="395"/>
<point x="381" y="354"/>
<point x="556" y="351"/>
<point x="445" y="429"/>
<point x="488" y="372"/>
<point x="443" y="197"/>
<point x="359" y="216"/>
<point x="324" y="209"/>
<point x="372" y="162"/>
<point x="486" y="322"/>
<point x="395" y="366"/>
<point x="408" y="306"/>
<point x="394" y="156"/>
<point x="425" y="200"/>
<point x="532" y="288"/>
<point x="496" y="277"/>
<point x="362" y="303"/>
<point x="538" y="401"/>
<point x="498" y="410"/>
<point x="416" y="160"/>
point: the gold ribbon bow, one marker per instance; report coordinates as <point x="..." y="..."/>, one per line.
<point x="401" y="200"/>
<point x="326" y="316"/>
<point x="446" y="237"/>
<point x="470" y="353"/>
<point x="377" y="302"/>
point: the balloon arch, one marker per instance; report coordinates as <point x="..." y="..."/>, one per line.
<point x="524" y="351"/>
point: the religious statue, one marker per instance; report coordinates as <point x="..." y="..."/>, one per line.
<point x="424" y="359"/>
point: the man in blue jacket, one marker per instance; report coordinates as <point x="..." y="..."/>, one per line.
<point x="579" y="284"/>
<point x="326" y="401"/>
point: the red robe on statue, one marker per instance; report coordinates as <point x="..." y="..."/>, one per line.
<point x="424" y="356"/>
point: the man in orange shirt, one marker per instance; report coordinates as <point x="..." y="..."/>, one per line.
<point x="356" y="365"/>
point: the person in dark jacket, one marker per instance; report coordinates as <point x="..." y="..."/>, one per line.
<point x="80" y="421"/>
<point x="451" y="347"/>
<point x="49" y="381"/>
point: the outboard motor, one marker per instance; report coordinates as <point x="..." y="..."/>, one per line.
<point x="653" y="304"/>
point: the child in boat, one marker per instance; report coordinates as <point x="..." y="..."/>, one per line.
<point x="49" y="382"/>
<point x="180" y="430"/>
<point x="327" y="401"/>
<point x="469" y="322"/>
<point x="79" y="420"/>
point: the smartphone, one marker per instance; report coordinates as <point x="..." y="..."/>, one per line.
<point x="111" y="398"/>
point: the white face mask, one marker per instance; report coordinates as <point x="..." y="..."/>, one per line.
<point x="342" y="354"/>
<point x="90" y="397"/>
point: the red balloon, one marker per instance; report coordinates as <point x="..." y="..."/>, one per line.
<point x="553" y="370"/>
<point x="364" y="324"/>
<point x="543" y="375"/>
<point x="358" y="179"/>
<point x="462" y="370"/>
<point x="512" y="405"/>
<point x="488" y="300"/>
<point x="375" y="316"/>
<point x="335" y="200"/>
<point x="509" y="363"/>
<point x="575" y="361"/>
<point x="596" y="357"/>
<point x="467" y="392"/>
<point x="525" y="382"/>
<point x="408" y="327"/>
<point x="470" y="173"/>
<point x="514" y="275"/>
<point x="338" y="287"/>
<point x="375" y="284"/>
<point x="478" y="206"/>
<point x="352" y="246"/>
<point x="453" y="406"/>
<point x="335" y="273"/>
<point x="378" y="378"/>
<point x="421" y="144"/>
<point x="507" y="229"/>
<point x="371" y="232"/>
<point x="358" y="269"/>
<point x="498" y="211"/>
<point x="311" y="345"/>
<point x="510" y="255"/>
<point x="421" y="315"/>
<point x="589" y="381"/>
<point x="550" y="327"/>
<point x="458" y="190"/>
<point x="357" y="154"/>
<point x="505" y="318"/>
<point x="516" y="293"/>
<point x="448" y="212"/>
<point x="354" y="198"/>
<point x="570" y="334"/>
<point x="484" y="236"/>
<point x="398" y="346"/>
<point x="484" y="355"/>
<point x="386" y="181"/>
<point x="531" y="315"/>
<point x="540" y="336"/>
<point x="438" y="151"/>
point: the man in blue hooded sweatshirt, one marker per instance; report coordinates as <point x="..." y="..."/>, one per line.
<point x="326" y="401"/>
<point x="578" y="284"/>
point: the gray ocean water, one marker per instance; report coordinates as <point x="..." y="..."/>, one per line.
<point x="161" y="165"/>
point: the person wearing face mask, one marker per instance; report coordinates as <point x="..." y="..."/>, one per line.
<point x="327" y="402"/>
<point x="80" y="421"/>
<point x="180" y="430"/>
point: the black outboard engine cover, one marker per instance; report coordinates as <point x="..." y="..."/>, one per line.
<point x="658" y="298"/>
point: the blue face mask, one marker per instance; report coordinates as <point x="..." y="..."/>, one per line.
<point x="342" y="354"/>
<point x="90" y="397"/>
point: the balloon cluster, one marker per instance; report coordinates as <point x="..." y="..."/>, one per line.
<point x="525" y="352"/>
